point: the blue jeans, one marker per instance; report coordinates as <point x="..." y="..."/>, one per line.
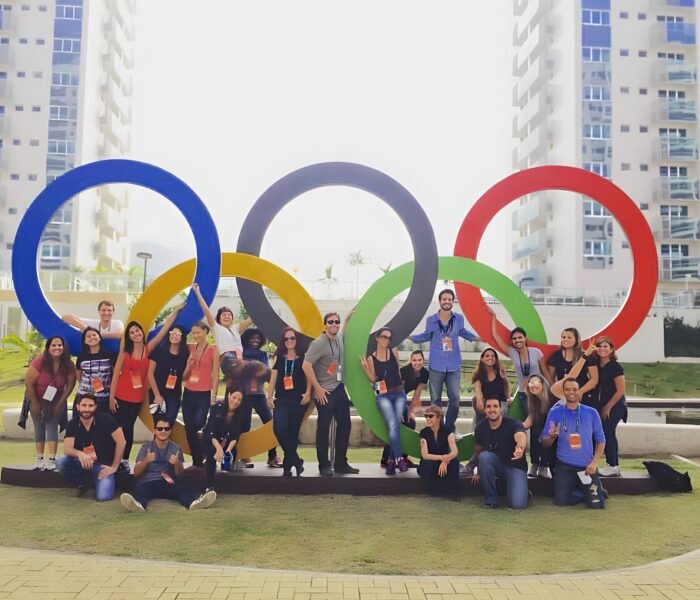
<point x="450" y="379"/>
<point x="74" y="473"/>
<point x="392" y="406"/>
<point x="490" y="467"/>
<point x="195" y="408"/>
<point x="568" y="489"/>
<point x="617" y="414"/>
<point x="145" y="491"/>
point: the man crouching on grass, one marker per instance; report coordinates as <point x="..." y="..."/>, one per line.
<point x="158" y="463"/>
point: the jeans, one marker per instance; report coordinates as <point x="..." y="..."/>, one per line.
<point x="46" y="429"/>
<point x="408" y="422"/>
<point x="145" y="491"/>
<point x="195" y="408"/>
<point x="286" y="423"/>
<point x="74" y="473"/>
<point x="172" y="408"/>
<point x="258" y="402"/>
<point x="568" y="489"/>
<point x="337" y="407"/>
<point x="450" y="379"/>
<point x="539" y="454"/>
<point x="490" y="467"/>
<point x="617" y="414"/>
<point x="126" y="415"/>
<point x="521" y="398"/>
<point x="392" y="406"/>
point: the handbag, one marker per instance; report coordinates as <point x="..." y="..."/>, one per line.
<point x="24" y="413"/>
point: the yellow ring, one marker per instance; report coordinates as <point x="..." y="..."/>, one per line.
<point x="233" y="264"/>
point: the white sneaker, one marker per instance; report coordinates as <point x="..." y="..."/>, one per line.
<point x="39" y="465"/>
<point x="533" y="471"/>
<point x="50" y="464"/>
<point x="204" y="501"/>
<point x="544" y="472"/>
<point x="131" y="504"/>
<point x="610" y="472"/>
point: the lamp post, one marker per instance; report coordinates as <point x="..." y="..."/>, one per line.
<point x="525" y="280"/>
<point x="146" y="256"/>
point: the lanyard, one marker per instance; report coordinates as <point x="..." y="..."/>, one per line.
<point x="288" y="372"/>
<point x="331" y="346"/>
<point x="520" y="358"/>
<point x="386" y="365"/>
<point x="578" y="419"/>
<point x="445" y="329"/>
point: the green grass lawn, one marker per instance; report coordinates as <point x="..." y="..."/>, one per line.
<point x="385" y="535"/>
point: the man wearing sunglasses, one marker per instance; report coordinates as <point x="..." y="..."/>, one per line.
<point x="323" y="367"/>
<point x="158" y="464"/>
<point x="443" y="330"/>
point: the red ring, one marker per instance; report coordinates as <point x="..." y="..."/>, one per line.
<point x="645" y="272"/>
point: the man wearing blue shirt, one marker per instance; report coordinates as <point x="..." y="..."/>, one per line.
<point x="443" y="330"/>
<point x="577" y="427"/>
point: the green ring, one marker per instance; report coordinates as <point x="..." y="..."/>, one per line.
<point x="381" y="292"/>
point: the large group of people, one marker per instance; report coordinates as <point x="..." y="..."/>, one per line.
<point x="571" y="403"/>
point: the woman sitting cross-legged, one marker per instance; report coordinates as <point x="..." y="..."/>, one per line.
<point x="438" y="467"/>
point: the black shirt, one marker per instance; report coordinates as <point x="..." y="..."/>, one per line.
<point x="222" y="426"/>
<point x="501" y="441"/>
<point x="494" y="389"/>
<point x="167" y="364"/>
<point x="563" y="366"/>
<point x="439" y="445"/>
<point x="99" y="436"/>
<point x="286" y="367"/>
<point x="411" y="379"/>
<point x="387" y="371"/>
<point x="606" y="382"/>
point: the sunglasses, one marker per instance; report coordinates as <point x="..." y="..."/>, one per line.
<point x="385" y="337"/>
<point x="430" y="416"/>
<point x="163" y="428"/>
<point x="333" y="322"/>
<point x="289" y="339"/>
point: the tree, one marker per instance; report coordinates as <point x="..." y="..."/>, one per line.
<point x="31" y="344"/>
<point x="328" y="279"/>
<point x="386" y="269"/>
<point x="355" y="259"/>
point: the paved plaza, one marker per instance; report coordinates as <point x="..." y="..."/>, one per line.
<point x="54" y="575"/>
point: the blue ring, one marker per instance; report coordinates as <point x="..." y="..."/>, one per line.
<point x="26" y="246"/>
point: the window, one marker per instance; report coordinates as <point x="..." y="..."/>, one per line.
<point x="624" y="52"/>
<point x="4" y="41"/>
<point x="23" y="40"/>
<point x="14" y="177"/>
<point x="624" y="167"/>
<point x="673" y="171"/>
<point x="65" y="79"/>
<point x="624" y="15"/>
<point x="16" y="142"/>
<point x="42" y="8"/>
<point x="642" y="53"/>
<point x="68" y="12"/>
<point x="674" y="250"/>
<point x="643" y="129"/>
<point x="671" y="56"/>
<point x="25" y="7"/>
<point x="54" y="251"/>
<point x="36" y="108"/>
<point x="34" y="142"/>
<point x="624" y="128"/>
<point x="624" y="90"/>
<point x="40" y="41"/>
<point x="599" y="168"/>
<point x="673" y="94"/>
<point x="21" y="74"/>
<point x="19" y="108"/>
<point x="595" y="17"/>
<point x="673" y="132"/>
<point x="66" y="45"/>
<point x="593" y="54"/>
<point x="668" y="210"/>
<point x="642" y="91"/>
<point x="643" y="167"/>
<point x="592" y="131"/>
<point x="643" y="206"/>
<point x="12" y="211"/>
<point x="38" y="75"/>
<point x="596" y="248"/>
<point x="60" y="147"/>
<point x="642" y="16"/>
<point x="596" y="92"/>
<point x="63" y="113"/>
<point x="32" y="177"/>
<point x="8" y="246"/>
<point x="669" y="19"/>
<point x="62" y="215"/>
<point x="593" y="209"/>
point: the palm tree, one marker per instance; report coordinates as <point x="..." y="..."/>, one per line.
<point x="328" y="279"/>
<point x="355" y="259"/>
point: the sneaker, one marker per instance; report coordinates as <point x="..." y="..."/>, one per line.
<point x="39" y="464"/>
<point x="610" y="472"/>
<point x="403" y="466"/>
<point x="534" y="470"/>
<point x="50" y="465"/>
<point x="131" y="504"/>
<point x="544" y="472"/>
<point x="274" y="462"/>
<point x="238" y="465"/>
<point x="124" y="467"/>
<point x="391" y="467"/>
<point x="466" y="470"/>
<point x="204" y="501"/>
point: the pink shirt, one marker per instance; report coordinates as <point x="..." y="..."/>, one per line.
<point x="47" y="378"/>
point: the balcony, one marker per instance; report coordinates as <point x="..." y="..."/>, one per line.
<point x="536" y="211"/>
<point x="676" y="188"/>
<point x="535" y="243"/>
<point x="665" y="33"/>
<point x="673" y="109"/>
<point x="537" y="277"/>
<point x="4" y="87"/>
<point x="109" y="220"/>
<point x="676" y="268"/>
<point x="528" y="17"/>
<point x="110" y="249"/>
<point x="533" y="45"/>
<point x="596" y="150"/>
<point x="679" y="149"/>
<point x="675" y="73"/>
<point x="7" y="22"/>
<point x="519" y="7"/>
<point x="6" y="55"/>
<point x="533" y="147"/>
<point x="678" y="228"/>
<point x="532" y="114"/>
<point x="533" y="79"/>
<point x="595" y="73"/>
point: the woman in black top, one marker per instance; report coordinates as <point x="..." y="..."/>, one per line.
<point x="562" y="361"/>
<point x="166" y="366"/>
<point x="94" y="367"/>
<point x="288" y="395"/>
<point x="221" y="433"/>
<point x="611" y="404"/>
<point x="489" y="382"/>
<point x="438" y="467"/>
<point x="382" y="369"/>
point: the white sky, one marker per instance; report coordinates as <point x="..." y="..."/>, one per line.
<point x="231" y="96"/>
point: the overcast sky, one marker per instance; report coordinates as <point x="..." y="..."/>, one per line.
<point x="231" y="96"/>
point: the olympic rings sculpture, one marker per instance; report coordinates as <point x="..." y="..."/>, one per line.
<point x="419" y="276"/>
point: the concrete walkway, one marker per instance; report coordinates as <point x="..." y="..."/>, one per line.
<point x="53" y="575"/>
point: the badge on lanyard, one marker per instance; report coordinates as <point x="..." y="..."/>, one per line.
<point x="167" y="477"/>
<point x="575" y="441"/>
<point x="97" y="385"/>
<point x="171" y="381"/>
<point x="136" y="381"/>
<point x="339" y="374"/>
<point x="288" y="382"/>
<point x="446" y="344"/>
<point x="332" y="368"/>
<point x="380" y="387"/>
<point x="50" y="393"/>
<point x="194" y="376"/>
<point x="90" y="451"/>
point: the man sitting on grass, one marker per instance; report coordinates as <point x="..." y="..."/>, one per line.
<point x="158" y="463"/>
<point x="93" y="443"/>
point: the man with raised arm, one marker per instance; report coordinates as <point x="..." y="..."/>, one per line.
<point x="443" y="330"/>
<point x="109" y="328"/>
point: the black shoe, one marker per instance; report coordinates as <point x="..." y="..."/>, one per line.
<point x="81" y="491"/>
<point x="346" y="469"/>
<point x="325" y="471"/>
<point x="124" y="467"/>
<point x="299" y="467"/>
<point x="286" y="472"/>
<point x="491" y="505"/>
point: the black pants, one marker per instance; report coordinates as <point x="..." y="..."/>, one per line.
<point x="286" y="423"/>
<point x="257" y="402"/>
<point x="126" y="415"/>
<point x="146" y="491"/>
<point x="539" y="454"/>
<point x="436" y="485"/>
<point x="337" y="407"/>
<point x="195" y="407"/>
<point x="211" y="461"/>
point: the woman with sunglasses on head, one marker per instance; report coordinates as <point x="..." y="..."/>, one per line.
<point x="562" y="361"/>
<point x="438" y="467"/>
<point x="489" y="382"/>
<point x="48" y="382"/>
<point x="129" y="384"/>
<point x="288" y="396"/>
<point x="611" y="403"/>
<point x="166" y="367"/>
<point x="382" y="370"/>
<point x="94" y="367"/>
<point x="527" y="361"/>
<point x="539" y="402"/>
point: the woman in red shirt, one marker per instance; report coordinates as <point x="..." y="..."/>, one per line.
<point x="129" y="384"/>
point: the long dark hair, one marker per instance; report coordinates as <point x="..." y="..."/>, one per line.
<point x="480" y="373"/>
<point x="128" y="342"/>
<point x="64" y="362"/>
<point x="300" y="347"/>
<point x="182" y="348"/>
<point x="85" y="347"/>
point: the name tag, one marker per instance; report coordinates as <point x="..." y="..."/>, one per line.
<point x="167" y="477"/>
<point x="332" y="368"/>
<point x="90" y="451"/>
<point x="447" y="344"/>
<point x="136" y="381"/>
<point x="97" y="385"/>
<point x="575" y="441"/>
<point x="50" y="393"/>
<point x="194" y="376"/>
<point x="170" y="382"/>
<point x="288" y="383"/>
<point x="380" y="387"/>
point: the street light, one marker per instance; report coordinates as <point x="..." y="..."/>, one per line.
<point x="525" y="280"/>
<point x="146" y="256"/>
